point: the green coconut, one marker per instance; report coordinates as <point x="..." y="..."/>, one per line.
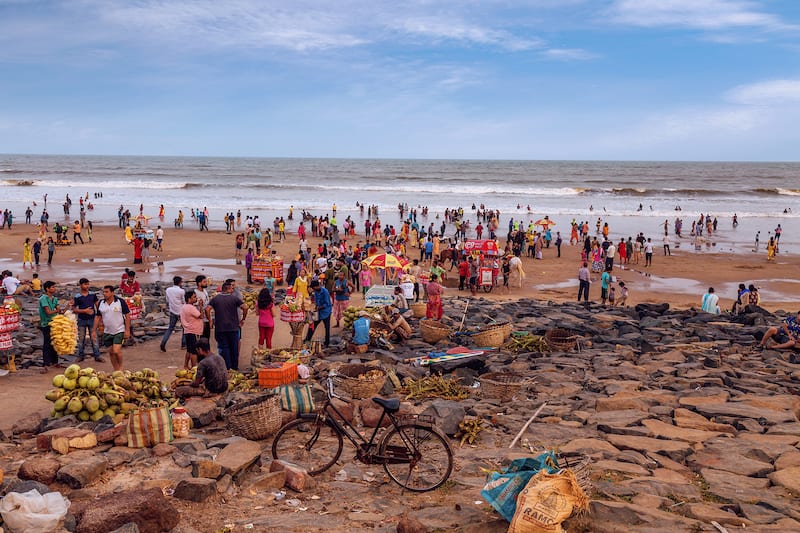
<point x="72" y="371"/>
<point x="75" y="405"/>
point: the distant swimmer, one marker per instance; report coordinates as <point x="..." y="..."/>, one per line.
<point x="591" y="208"/>
<point x="735" y="220"/>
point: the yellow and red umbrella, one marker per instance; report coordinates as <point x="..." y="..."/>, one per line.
<point x="385" y="261"/>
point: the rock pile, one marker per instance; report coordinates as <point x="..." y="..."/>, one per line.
<point x="685" y="423"/>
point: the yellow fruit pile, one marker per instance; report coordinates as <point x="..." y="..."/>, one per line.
<point x="250" y="299"/>
<point x="90" y="395"/>
<point x="64" y="333"/>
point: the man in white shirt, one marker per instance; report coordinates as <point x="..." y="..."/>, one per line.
<point x="175" y="301"/>
<point x="610" y="254"/>
<point x="14" y="286"/>
<point x="711" y="302"/>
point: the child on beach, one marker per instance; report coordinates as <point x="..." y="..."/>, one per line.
<point x="365" y="277"/>
<point x="266" y="318"/>
<point x="623" y="294"/>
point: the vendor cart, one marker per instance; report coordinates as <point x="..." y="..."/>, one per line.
<point x="266" y="266"/>
<point x="487" y="253"/>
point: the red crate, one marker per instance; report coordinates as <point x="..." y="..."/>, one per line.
<point x="270" y="378"/>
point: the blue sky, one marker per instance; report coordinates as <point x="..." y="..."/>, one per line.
<point x="536" y="79"/>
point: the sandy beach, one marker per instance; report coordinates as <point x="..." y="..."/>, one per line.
<point x="680" y="279"/>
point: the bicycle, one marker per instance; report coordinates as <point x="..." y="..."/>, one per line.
<point x="413" y="452"/>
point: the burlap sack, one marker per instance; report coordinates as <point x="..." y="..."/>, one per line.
<point x="546" y="501"/>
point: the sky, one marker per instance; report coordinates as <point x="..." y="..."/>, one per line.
<point x="685" y="80"/>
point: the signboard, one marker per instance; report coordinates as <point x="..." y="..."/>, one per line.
<point x="380" y="295"/>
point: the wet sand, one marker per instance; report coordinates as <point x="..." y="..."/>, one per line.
<point x="680" y="279"/>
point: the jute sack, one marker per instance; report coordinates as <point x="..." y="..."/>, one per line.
<point x="546" y="501"/>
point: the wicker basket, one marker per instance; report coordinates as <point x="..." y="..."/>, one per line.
<point x="433" y="331"/>
<point x="418" y="309"/>
<point x="580" y="465"/>
<point x="561" y="340"/>
<point x="296" y="356"/>
<point x="502" y="385"/>
<point x="255" y="419"/>
<point x="354" y="382"/>
<point x="491" y="337"/>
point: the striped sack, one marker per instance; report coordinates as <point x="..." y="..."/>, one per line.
<point x="297" y="399"/>
<point x="148" y="427"/>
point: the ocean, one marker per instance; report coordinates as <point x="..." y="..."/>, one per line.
<point x="631" y="196"/>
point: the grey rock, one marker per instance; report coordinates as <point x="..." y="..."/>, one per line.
<point x="447" y="414"/>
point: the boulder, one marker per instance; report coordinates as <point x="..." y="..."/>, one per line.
<point x="27" y="425"/>
<point x="202" y="411"/>
<point x="447" y="414"/>
<point x="238" y="455"/>
<point x="297" y="478"/>
<point x="39" y="468"/>
<point x="195" y="489"/>
<point x="78" y="474"/>
<point x="788" y="478"/>
<point x="672" y="449"/>
<point x="733" y="486"/>
<point x="148" y="509"/>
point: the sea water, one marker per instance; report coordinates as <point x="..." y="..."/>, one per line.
<point x="630" y="196"/>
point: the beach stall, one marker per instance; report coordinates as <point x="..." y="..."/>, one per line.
<point x="487" y="252"/>
<point x="265" y="266"/>
<point x="9" y="323"/>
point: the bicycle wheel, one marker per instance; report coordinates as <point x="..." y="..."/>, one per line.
<point x="417" y="457"/>
<point x="308" y="442"/>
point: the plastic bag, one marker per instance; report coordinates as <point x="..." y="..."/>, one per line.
<point x="502" y="489"/>
<point x="361" y="327"/>
<point x="546" y="501"/>
<point x="31" y="512"/>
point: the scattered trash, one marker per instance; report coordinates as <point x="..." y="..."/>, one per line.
<point x="31" y="512"/>
<point x="369" y="477"/>
<point x="341" y="475"/>
<point x="293" y="502"/>
<point x="279" y="495"/>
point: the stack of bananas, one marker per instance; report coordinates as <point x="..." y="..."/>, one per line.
<point x="64" y="333"/>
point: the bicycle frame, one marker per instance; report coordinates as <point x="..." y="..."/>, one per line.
<point x="364" y="448"/>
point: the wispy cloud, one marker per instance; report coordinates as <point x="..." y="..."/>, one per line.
<point x="448" y="29"/>
<point x="766" y="93"/>
<point x="694" y="14"/>
<point x="568" y="54"/>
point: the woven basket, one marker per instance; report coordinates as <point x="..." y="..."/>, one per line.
<point x="255" y="419"/>
<point x="418" y="309"/>
<point x="491" y="337"/>
<point x="502" y="385"/>
<point x="296" y="356"/>
<point x="580" y="465"/>
<point x="433" y="331"/>
<point x="506" y="329"/>
<point x="353" y="380"/>
<point x="561" y="340"/>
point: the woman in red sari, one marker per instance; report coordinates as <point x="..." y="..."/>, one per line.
<point x="434" y="292"/>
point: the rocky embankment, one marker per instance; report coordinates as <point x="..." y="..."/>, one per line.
<point x="686" y="424"/>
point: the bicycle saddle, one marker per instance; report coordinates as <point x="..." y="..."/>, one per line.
<point x="391" y="406"/>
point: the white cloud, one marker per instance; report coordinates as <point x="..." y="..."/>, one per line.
<point x="450" y="29"/>
<point x="768" y="93"/>
<point x="568" y="54"/>
<point x="695" y="14"/>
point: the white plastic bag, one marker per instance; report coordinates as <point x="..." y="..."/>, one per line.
<point x="31" y="512"/>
